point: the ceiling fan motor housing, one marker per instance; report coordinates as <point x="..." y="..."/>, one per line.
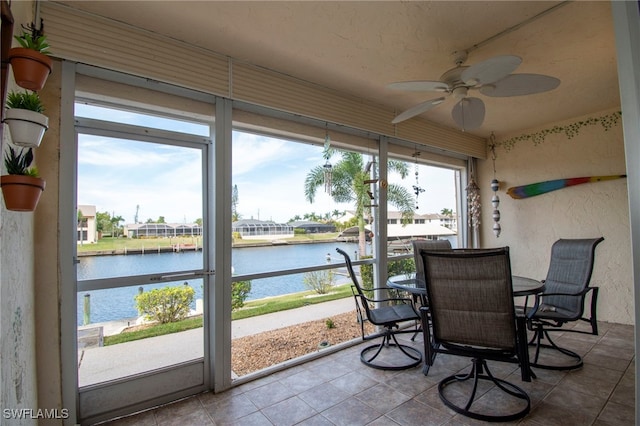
<point x="459" y="92"/>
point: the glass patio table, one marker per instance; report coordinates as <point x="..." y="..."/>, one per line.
<point x="522" y="286"/>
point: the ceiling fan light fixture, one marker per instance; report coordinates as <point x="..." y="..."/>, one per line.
<point x="459" y="92"/>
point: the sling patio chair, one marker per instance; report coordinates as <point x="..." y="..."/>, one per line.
<point x="424" y="245"/>
<point x="387" y="313"/>
<point x="563" y="301"/>
<point x="472" y="313"/>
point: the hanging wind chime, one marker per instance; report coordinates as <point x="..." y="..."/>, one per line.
<point x="416" y="188"/>
<point x="495" y="185"/>
<point x="328" y="168"/>
<point x="473" y="199"/>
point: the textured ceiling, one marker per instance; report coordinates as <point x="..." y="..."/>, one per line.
<point x="359" y="47"/>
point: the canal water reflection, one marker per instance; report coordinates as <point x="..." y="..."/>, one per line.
<point x="118" y="303"/>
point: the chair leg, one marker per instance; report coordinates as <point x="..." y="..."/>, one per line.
<point x="539" y="334"/>
<point x="430" y="347"/>
<point x="480" y="371"/>
<point x="414" y="356"/>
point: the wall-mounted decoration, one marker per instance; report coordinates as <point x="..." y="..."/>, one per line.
<point x="21" y="188"/>
<point x="24" y="117"/>
<point x="570" y="130"/>
<point x="368" y="169"/>
<point x="6" y="30"/>
<point x="495" y="185"/>
<point x="473" y="198"/>
<point x="417" y="189"/>
<point x="539" y="188"/>
<point x="30" y="63"/>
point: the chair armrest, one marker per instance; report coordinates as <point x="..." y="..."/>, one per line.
<point x="390" y="299"/>
<point x="581" y="293"/>
<point x="540" y="298"/>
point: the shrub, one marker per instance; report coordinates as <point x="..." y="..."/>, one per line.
<point x="402" y="266"/>
<point x="394" y="267"/>
<point x="168" y="304"/>
<point x="239" y="292"/>
<point x="319" y="281"/>
<point x="366" y="277"/>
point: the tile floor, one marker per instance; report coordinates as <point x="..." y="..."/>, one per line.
<point x="339" y="390"/>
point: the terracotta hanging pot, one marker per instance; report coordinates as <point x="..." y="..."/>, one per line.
<point x="21" y="193"/>
<point x="30" y="68"/>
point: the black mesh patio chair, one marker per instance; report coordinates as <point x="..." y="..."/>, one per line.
<point x="473" y="315"/>
<point x="563" y="299"/>
<point x="387" y="313"/>
<point x="425" y="245"/>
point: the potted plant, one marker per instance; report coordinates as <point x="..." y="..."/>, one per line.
<point x="30" y="63"/>
<point x="21" y="187"/>
<point x="24" y="117"/>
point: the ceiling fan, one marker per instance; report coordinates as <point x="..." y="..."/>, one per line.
<point x="491" y="77"/>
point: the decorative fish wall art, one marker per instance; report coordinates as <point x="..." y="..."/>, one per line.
<point x="539" y="188"/>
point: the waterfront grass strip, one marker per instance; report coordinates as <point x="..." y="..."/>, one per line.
<point x="250" y="309"/>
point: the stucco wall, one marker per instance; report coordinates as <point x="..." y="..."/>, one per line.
<point x="17" y="329"/>
<point x="531" y="225"/>
<point x="47" y="281"/>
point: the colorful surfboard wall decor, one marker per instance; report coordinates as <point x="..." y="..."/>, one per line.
<point x="539" y="188"/>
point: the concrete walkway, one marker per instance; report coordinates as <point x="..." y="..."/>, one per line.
<point x="104" y="363"/>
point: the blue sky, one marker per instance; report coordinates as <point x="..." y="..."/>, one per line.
<point x="117" y="175"/>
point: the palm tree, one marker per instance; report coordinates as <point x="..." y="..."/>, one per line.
<point x="115" y="224"/>
<point x="348" y="186"/>
<point x="446" y="212"/>
<point x="235" y="198"/>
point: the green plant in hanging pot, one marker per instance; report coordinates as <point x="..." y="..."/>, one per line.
<point x="30" y="63"/>
<point x="24" y="117"/>
<point x="21" y="187"/>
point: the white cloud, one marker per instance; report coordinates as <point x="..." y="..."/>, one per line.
<point x="118" y="175"/>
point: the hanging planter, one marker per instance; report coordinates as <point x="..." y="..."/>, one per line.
<point x="21" y="193"/>
<point x="26" y="123"/>
<point x="30" y="63"/>
<point x="26" y="127"/>
<point x="21" y="188"/>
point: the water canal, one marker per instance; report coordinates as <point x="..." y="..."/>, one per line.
<point x="118" y="303"/>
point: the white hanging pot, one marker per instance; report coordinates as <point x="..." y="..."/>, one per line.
<point x="26" y="127"/>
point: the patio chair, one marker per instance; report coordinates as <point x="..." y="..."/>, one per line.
<point x="424" y="245"/>
<point x="472" y="312"/>
<point x="563" y="299"/>
<point x="387" y="313"/>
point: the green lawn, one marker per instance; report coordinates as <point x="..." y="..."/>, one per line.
<point x="109" y="244"/>
<point x="113" y="244"/>
<point x="250" y="309"/>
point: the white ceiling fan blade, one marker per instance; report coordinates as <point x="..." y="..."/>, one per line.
<point x="491" y="70"/>
<point x="520" y="84"/>
<point x="468" y="113"/>
<point x="420" y="86"/>
<point x="417" y="110"/>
